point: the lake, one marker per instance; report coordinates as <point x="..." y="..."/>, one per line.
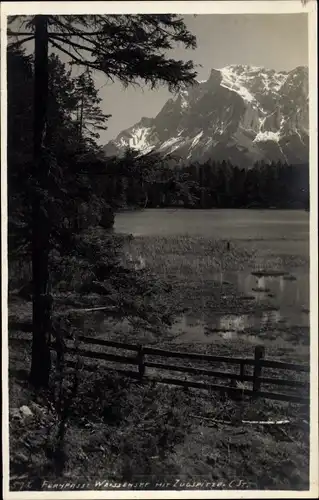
<point x="283" y="232"/>
<point x="219" y="224"/>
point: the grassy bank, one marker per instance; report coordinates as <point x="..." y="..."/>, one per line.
<point x="119" y="429"/>
<point x="194" y="256"/>
<point x="122" y="430"/>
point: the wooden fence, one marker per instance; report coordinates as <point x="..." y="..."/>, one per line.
<point x="142" y="360"/>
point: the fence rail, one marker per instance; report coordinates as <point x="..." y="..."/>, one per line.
<point x="146" y="368"/>
<point x="257" y="364"/>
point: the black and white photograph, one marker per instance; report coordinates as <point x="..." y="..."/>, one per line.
<point x="159" y="249"/>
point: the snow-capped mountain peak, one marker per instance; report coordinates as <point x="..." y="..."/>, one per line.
<point x="240" y="113"/>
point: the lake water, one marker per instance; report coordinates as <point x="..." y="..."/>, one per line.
<point x="281" y="232"/>
<point x="287" y="306"/>
<point x="219" y="224"/>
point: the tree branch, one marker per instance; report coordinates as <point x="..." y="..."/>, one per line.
<point x="17" y="44"/>
<point x="74" y="58"/>
<point x="52" y="33"/>
<point x="18" y="33"/>
<point x="60" y="36"/>
<point x="68" y="35"/>
<point x="85" y="63"/>
<point x="72" y="32"/>
<point x="73" y="44"/>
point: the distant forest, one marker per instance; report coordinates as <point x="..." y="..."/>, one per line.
<point x="220" y="185"/>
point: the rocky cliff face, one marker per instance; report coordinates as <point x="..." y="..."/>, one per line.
<point x="241" y="113"/>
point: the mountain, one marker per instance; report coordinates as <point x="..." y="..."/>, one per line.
<point x="241" y="113"/>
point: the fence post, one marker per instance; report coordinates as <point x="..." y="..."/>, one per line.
<point x="242" y="371"/>
<point x="140" y="358"/>
<point x="259" y="355"/>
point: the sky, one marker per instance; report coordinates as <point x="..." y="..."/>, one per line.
<point x="273" y="41"/>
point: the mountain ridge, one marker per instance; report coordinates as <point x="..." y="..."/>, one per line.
<point x="241" y="113"/>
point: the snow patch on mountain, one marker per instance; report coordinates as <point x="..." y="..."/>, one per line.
<point x="196" y="139"/>
<point x="299" y="135"/>
<point x="266" y="81"/>
<point x="280" y="81"/>
<point x="170" y="143"/>
<point x="183" y="98"/>
<point x="184" y="104"/>
<point x="267" y="135"/>
<point x="139" y="139"/>
<point x="241" y="79"/>
<point x="262" y="122"/>
<point x="232" y="81"/>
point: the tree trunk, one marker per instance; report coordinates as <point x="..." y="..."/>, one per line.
<point x="41" y="361"/>
<point x="81" y="116"/>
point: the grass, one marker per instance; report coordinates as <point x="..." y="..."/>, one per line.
<point x="204" y="254"/>
<point x="124" y="429"/>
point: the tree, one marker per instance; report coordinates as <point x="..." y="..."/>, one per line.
<point x="124" y="47"/>
<point x="89" y="117"/>
<point x="67" y="188"/>
<point x="153" y="172"/>
<point x="19" y="146"/>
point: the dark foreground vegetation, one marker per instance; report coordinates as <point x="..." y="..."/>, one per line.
<point x="121" y="431"/>
<point x="90" y="427"/>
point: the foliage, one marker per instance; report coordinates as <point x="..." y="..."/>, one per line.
<point x="68" y="189"/>
<point x="84" y="259"/>
<point x="153" y="181"/>
<point x="130" y="48"/>
<point x="97" y="272"/>
<point x="143" y="179"/>
<point x="89" y="115"/>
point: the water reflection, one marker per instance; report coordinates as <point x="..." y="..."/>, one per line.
<point x="290" y="295"/>
<point x="236" y="335"/>
<point x="285" y="305"/>
<point x="261" y="283"/>
<point x="286" y="301"/>
<point x="233" y="323"/>
<point x="271" y="317"/>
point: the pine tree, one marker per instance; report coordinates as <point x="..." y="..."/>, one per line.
<point x="124" y="47"/>
<point x="89" y="117"/>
